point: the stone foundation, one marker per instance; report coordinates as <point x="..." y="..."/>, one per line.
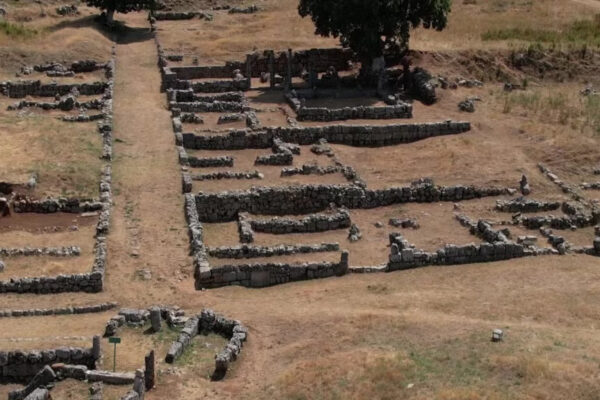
<point x="359" y="136"/>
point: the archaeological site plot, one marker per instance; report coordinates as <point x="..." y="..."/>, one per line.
<point x="222" y="199"/>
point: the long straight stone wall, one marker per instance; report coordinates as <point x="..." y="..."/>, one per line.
<point x="361" y="112"/>
<point x="259" y="275"/>
<point x="225" y="206"/>
<point x="20" y="89"/>
<point x="359" y="136"/>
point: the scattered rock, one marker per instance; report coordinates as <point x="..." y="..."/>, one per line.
<point x="67" y="10"/>
<point x="2" y="266"/>
<point x="467" y="105"/>
<point x="404" y="223"/>
<point x="497" y="335"/>
<point x="379" y="224"/>
<point x="144" y="274"/>
<point x="354" y="235"/>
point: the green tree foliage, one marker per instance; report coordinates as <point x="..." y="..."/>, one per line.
<point x="121" y="6"/>
<point x="373" y="27"/>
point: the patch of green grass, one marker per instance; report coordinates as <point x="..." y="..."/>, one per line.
<point x="167" y="334"/>
<point x="16" y="31"/>
<point x="583" y="31"/>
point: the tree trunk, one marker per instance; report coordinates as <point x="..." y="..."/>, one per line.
<point x="110" y="16"/>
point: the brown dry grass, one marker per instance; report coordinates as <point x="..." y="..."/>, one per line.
<point x="65" y="156"/>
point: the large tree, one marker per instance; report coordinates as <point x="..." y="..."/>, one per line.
<point x="122" y="6"/>
<point x="372" y="27"/>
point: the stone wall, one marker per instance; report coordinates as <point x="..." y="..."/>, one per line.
<point x="171" y="81"/>
<point x="21" y="366"/>
<point x="20" y="89"/>
<point x="70" y="251"/>
<point x="215" y="106"/>
<point x="526" y="205"/>
<point x="304" y="113"/>
<point x="97" y="308"/>
<point x="360" y="136"/>
<point x="361" y="112"/>
<point x="406" y="257"/>
<point x="268" y="274"/>
<point x="208" y="162"/>
<point x="320" y="59"/>
<point x="309" y="224"/>
<point x="209" y="322"/>
<point x="50" y="205"/>
<point x="306" y="199"/>
<point x="178" y="96"/>
<point x="249" y="251"/>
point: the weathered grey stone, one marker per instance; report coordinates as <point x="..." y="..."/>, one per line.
<point x="155" y="319"/>
<point x="111" y="378"/>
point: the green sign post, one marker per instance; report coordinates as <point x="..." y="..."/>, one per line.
<point x="115" y="341"/>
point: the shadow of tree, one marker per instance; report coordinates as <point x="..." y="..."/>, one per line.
<point x="119" y="33"/>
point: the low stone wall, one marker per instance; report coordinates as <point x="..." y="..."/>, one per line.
<point x="20" y="89"/>
<point x="360" y="112"/>
<point x="591" y="186"/>
<point x="91" y="283"/>
<point x="275" y="159"/>
<point x="48" y="206"/>
<point x="248" y="251"/>
<point x="170" y="80"/>
<point x="215" y="106"/>
<point x="188" y="96"/>
<point x="208" y="162"/>
<point x="405" y="257"/>
<point x="360" y="136"/>
<point x="189" y="72"/>
<point x="82" y="118"/>
<point x="526" y="205"/>
<point x="556" y="222"/>
<point x="21" y="366"/>
<point x="305" y="113"/>
<point x="269" y="274"/>
<point x="178" y="16"/>
<point x="58" y="311"/>
<point x="306" y="199"/>
<point x="70" y="251"/>
<point x="314" y="169"/>
<point x="309" y="224"/>
<point x="227" y="175"/>
<point x="209" y="322"/>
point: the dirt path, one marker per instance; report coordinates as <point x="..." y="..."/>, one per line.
<point x="148" y="222"/>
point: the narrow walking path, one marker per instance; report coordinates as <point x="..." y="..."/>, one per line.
<point x="148" y="222"/>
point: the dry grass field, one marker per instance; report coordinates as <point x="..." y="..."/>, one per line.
<point x="416" y="334"/>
